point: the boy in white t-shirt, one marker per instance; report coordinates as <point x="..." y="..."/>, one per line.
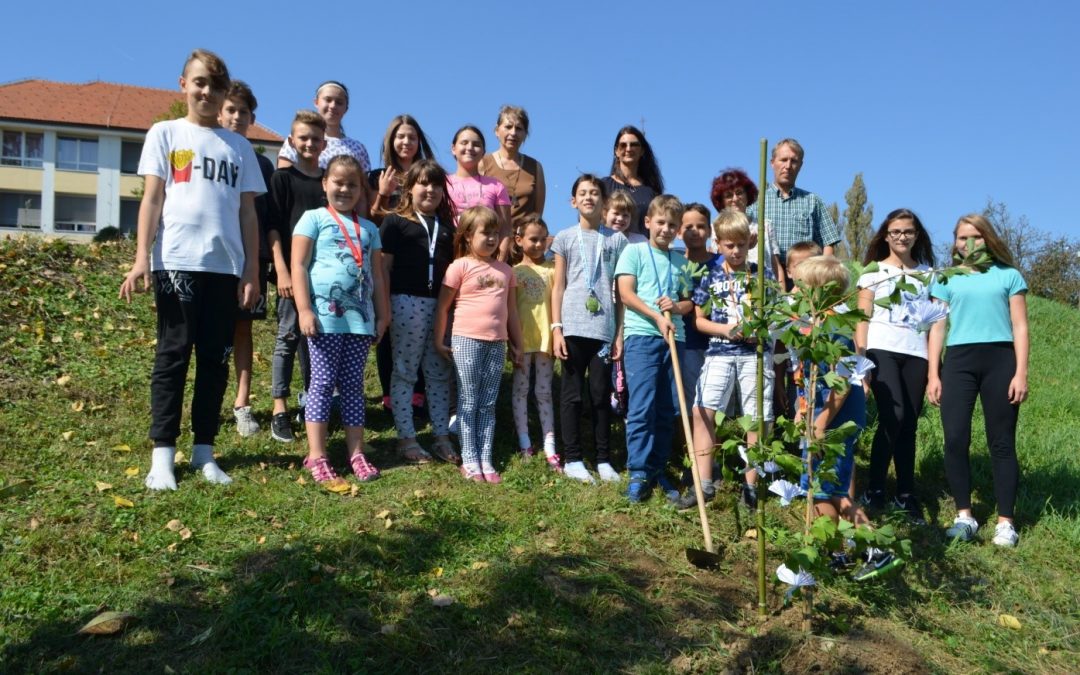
<point x="198" y="211"/>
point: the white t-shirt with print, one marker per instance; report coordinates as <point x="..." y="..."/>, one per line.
<point x="887" y="330"/>
<point x="205" y="171"/>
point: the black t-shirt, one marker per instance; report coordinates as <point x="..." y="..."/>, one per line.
<point x="262" y="207"/>
<point x="292" y="192"/>
<point x="407" y="241"/>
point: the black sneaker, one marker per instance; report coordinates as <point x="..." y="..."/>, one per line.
<point x="749" y="497"/>
<point x="873" y="499"/>
<point x="689" y="500"/>
<point x="878" y="562"/>
<point x="840" y="561"/>
<point x="280" y="429"/>
<point x="909" y="504"/>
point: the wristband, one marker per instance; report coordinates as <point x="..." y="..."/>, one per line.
<point x="554" y="326"/>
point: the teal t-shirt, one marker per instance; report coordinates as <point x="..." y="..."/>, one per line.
<point x="979" y="304"/>
<point x="658" y="273"/>
<point x="341" y="297"/>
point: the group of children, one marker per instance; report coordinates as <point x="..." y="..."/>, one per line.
<point x="432" y="278"/>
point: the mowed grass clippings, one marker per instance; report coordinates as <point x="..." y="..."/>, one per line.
<point x="420" y="571"/>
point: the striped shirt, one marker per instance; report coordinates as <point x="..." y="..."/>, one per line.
<point x="802" y="216"/>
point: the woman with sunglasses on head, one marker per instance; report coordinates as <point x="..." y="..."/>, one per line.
<point x="634" y="170"/>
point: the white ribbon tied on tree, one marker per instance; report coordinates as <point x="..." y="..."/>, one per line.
<point x="921" y="314"/>
<point x="795" y="581"/>
<point x="786" y="490"/>
<point x="855" y="368"/>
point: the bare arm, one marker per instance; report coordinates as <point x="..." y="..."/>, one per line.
<point x="149" y="217"/>
<point x="442" y="310"/>
<point x="301" y="257"/>
<point x="248" y="293"/>
<point x="935" y="344"/>
<point x="505" y="232"/>
<point x="628" y="293"/>
<point x="284" y="279"/>
<point x="866" y="306"/>
<point x="1018" y="387"/>
<point x="558" y="288"/>
<point x="382" y="296"/>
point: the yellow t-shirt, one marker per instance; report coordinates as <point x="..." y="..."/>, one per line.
<point x="534" y="305"/>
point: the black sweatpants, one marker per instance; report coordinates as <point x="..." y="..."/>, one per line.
<point x="983" y="370"/>
<point x="899" y="384"/>
<point x="582" y="357"/>
<point x="194" y="309"/>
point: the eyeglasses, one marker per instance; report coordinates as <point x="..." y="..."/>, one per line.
<point x="628" y="146"/>
<point x="902" y="234"/>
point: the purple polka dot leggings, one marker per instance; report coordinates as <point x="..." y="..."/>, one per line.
<point x="337" y="360"/>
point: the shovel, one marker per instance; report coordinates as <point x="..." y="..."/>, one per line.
<point x="707" y="559"/>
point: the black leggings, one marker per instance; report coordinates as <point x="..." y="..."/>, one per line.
<point x="582" y="357"/>
<point x="983" y="370"/>
<point x="899" y="384"/>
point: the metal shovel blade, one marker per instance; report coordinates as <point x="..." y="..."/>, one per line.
<point x="703" y="559"/>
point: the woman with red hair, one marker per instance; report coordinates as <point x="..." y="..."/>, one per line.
<point x="733" y="189"/>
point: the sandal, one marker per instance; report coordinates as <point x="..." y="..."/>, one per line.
<point x="414" y="454"/>
<point x="363" y="468"/>
<point x="473" y="475"/>
<point x="444" y="450"/>
<point x="323" y="474"/>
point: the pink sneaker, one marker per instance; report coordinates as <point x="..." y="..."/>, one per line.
<point x="324" y="475"/>
<point x="555" y="462"/>
<point x="528" y="452"/>
<point x="363" y="468"/>
<point x="493" y="477"/>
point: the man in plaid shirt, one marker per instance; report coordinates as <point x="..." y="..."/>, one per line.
<point x="795" y="214"/>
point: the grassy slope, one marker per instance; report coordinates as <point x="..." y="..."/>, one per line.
<point x="545" y="574"/>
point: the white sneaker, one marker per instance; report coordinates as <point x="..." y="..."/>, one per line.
<point x="1005" y="535"/>
<point x="577" y="471"/>
<point x="245" y="422"/>
<point x="608" y="473"/>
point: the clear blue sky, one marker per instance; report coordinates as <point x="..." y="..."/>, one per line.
<point x="940" y="104"/>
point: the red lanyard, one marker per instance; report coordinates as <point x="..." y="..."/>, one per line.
<point x="356" y="248"/>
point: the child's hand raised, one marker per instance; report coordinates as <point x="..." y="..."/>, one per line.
<point x="140" y="270"/>
<point x="309" y="324"/>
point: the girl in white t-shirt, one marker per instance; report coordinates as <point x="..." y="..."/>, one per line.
<point x="900" y="246"/>
<point x="467" y="188"/>
<point x="332" y="102"/>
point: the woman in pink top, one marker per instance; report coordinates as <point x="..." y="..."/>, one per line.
<point x="467" y="188"/>
<point x="485" y="316"/>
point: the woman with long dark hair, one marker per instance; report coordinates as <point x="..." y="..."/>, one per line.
<point x="634" y="170"/>
<point x="901" y="247"/>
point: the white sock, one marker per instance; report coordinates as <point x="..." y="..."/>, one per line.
<point x="524" y="441"/>
<point x="161" y="476"/>
<point x="577" y="471"/>
<point x="202" y="457"/>
<point x="549" y="445"/>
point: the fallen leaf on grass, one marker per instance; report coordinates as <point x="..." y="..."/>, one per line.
<point x="300" y="480"/>
<point x="97" y="407"/>
<point x="77" y="406"/>
<point x="63" y="380"/>
<point x="1008" y="621"/>
<point x="515" y="620"/>
<point x="205" y="568"/>
<point x="261" y="540"/>
<point x="121" y="502"/>
<point x="67" y="435"/>
<point x="479" y="565"/>
<point x="107" y="623"/>
<point x="518" y="550"/>
<point x="388" y="523"/>
<point x="185" y="534"/>
<point x="250" y="514"/>
<point x="418" y="513"/>
<point x="91" y="444"/>
<point x="174" y="525"/>
<point x="383" y="514"/>
<point x="442" y="600"/>
<point x="171" y="548"/>
<point x="751" y="533"/>
<point x="131" y="471"/>
<point x="56" y="339"/>
<point x="201" y="637"/>
<point x="338" y="487"/>
<point x="122" y="447"/>
<point x="419" y="494"/>
<point x="438" y="571"/>
<point x="102" y="487"/>
<point x="354" y="490"/>
<point x="178" y="457"/>
<point x="34" y="523"/>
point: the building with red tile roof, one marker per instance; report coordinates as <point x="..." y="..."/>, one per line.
<point x="70" y="153"/>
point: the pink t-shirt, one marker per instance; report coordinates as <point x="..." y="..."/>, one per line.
<point x="480" y="191"/>
<point x="482" y="291"/>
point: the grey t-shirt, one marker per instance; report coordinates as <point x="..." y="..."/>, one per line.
<point x="578" y="248"/>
